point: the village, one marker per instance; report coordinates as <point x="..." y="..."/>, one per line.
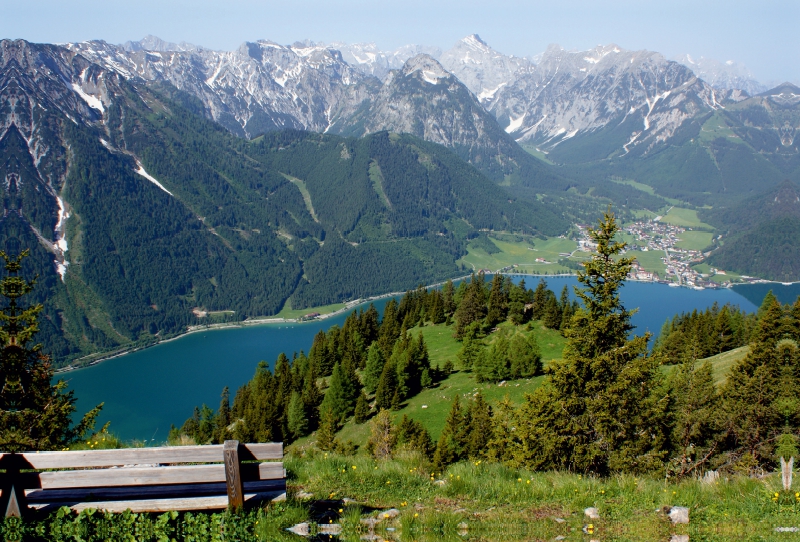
<point x="654" y="235"/>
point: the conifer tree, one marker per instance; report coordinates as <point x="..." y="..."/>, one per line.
<point x="326" y="434"/>
<point x="438" y="315"/>
<point x="35" y="414"/>
<point x="382" y="436"/>
<point x="223" y="419"/>
<point x="759" y="391"/>
<point x="296" y="420"/>
<point x="369" y="324"/>
<point x="375" y="363"/>
<point x="448" y="294"/>
<point x="472" y="307"/>
<point x="695" y="436"/>
<point x="450" y="447"/>
<point x="552" y="313"/>
<point x="599" y="409"/>
<point x="498" y="302"/>
<point x="539" y="300"/>
<point x="412" y="435"/>
<point x="470" y="352"/>
<point x="387" y="387"/>
<point x="341" y="395"/>
<point x="479" y="431"/>
<point x="312" y="396"/>
<point x="362" y="409"/>
<point x="525" y="358"/>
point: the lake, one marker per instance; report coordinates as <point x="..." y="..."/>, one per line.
<point x="147" y="391"/>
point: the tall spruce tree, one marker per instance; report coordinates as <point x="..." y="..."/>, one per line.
<point x="760" y="391"/>
<point x="35" y="414"/>
<point x="599" y="410"/>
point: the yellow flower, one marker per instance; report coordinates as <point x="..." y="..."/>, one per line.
<point x="340" y="510"/>
<point x="354" y="467"/>
<point x="416" y="515"/>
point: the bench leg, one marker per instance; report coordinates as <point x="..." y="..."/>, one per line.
<point x="233" y="476"/>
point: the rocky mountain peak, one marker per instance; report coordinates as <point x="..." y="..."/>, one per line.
<point x="154" y="43"/>
<point x="427" y="67"/>
<point x="482" y="69"/>
<point x="728" y="75"/>
<point x="474" y="42"/>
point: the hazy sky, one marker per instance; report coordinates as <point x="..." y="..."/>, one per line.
<point x="761" y="35"/>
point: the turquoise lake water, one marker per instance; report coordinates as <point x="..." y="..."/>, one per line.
<point x="147" y="391"/>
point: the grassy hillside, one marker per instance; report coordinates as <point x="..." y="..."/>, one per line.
<point x="437" y="401"/>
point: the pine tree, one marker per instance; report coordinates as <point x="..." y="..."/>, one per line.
<point x="552" y="313"/>
<point x="412" y="435"/>
<point x="312" y="396"/>
<point x="341" y="395"/>
<point x="326" y="434"/>
<point x="375" y="363"/>
<point x="35" y="414"/>
<point x="470" y="351"/>
<point x="472" y="307"/>
<point x="362" y="409"/>
<point x="296" y="420"/>
<point x="525" y="357"/>
<point x="758" y="389"/>
<point x="450" y="447"/>
<point x="695" y="436"/>
<point x="437" y="313"/>
<point x="387" y="387"/>
<point x="599" y="409"/>
<point x="223" y="419"/>
<point x="382" y="436"/>
<point x="539" y="300"/>
<point x="498" y="302"/>
<point x="479" y="431"/>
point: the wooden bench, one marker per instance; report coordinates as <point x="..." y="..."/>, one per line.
<point x="143" y="479"/>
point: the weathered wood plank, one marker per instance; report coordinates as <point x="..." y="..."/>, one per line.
<point x="165" y="505"/>
<point x="233" y="476"/>
<point x="146" y="476"/>
<point x="162" y="455"/>
<point x="40" y="496"/>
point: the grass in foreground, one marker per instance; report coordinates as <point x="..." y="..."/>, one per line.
<point x="494" y="502"/>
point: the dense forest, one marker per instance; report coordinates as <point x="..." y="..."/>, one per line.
<point x="606" y="406"/>
<point x="760" y="233"/>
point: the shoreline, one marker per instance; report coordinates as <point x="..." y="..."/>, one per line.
<point x="258" y="321"/>
<point x="349" y="305"/>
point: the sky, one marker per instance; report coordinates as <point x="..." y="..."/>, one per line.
<point x="760" y="35"/>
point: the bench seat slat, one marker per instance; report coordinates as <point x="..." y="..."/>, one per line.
<point x="166" y="455"/>
<point x="143" y="476"/>
<point x="166" y="505"/>
<point x="39" y="496"/>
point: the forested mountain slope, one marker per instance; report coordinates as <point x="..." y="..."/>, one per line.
<point x="140" y="210"/>
<point x="762" y="234"/>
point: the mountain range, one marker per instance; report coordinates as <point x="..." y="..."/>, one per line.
<point x="158" y="182"/>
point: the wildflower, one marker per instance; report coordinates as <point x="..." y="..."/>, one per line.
<point x="354" y="467"/>
<point x="340" y="510"/>
<point x="528" y="481"/>
<point x="416" y="515"/>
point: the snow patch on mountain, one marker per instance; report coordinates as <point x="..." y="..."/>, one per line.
<point x="91" y="101"/>
<point x="141" y="171"/>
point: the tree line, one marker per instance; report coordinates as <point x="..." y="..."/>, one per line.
<point x="607" y="406"/>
